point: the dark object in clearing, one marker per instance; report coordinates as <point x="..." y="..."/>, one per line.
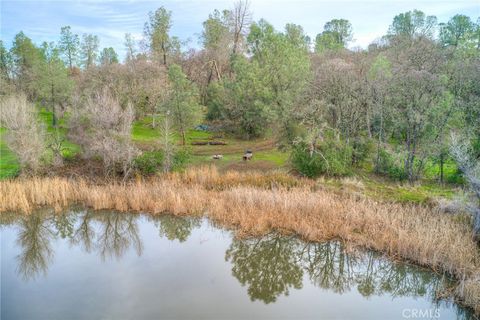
<point x="211" y="143"/>
<point x="248" y="155"/>
<point x="202" y="127"/>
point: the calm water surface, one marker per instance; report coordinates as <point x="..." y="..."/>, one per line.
<point x="106" y="265"/>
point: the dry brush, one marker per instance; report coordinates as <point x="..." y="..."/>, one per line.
<point x="25" y="135"/>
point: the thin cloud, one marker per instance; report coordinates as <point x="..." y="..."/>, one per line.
<point x="110" y="20"/>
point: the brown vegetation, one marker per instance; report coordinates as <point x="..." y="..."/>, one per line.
<point x="255" y="204"/>
<point x="25" y="135"/>
<point x="103" y="129"/>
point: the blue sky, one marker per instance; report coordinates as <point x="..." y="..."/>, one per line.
<point x="110" y="20"/>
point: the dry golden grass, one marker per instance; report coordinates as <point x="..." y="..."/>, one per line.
<point x="210" y="178"/>
<point x="255" y="203"/>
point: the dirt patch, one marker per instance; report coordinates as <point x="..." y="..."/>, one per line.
<point x="233" y="147"/>
<point x="244" y="166"/>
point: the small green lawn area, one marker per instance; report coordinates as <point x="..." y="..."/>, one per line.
<point x="70" y="149"/>
<point x="277" y="157"/>
<point x="143" y="131"/>
<point x="9" y="166"/>
<point x="263" y="160"/>
<point x="420" y="193"/>
<point x="450" y="171"/>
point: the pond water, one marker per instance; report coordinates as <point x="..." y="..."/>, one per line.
<point x="107" y="265"/>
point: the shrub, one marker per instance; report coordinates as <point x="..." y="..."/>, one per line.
<point x="332" y="158"/>
<point x="149" y="162"/>
<point x="25" y="136"/>
<point x="361" y="150"/>
<point x="181" y="159"/>
<point x="215" y="98"/>
<point x="389" y="166"/>
<point x="306" y="164"/>
<point x="455" y="177"/>
<point x="102" y="128"/>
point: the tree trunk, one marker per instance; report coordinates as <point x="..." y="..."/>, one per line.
<point x="54" y="116"/>
<point x="164" y="51"/>
<point x="70" y="59"/>
<point x="409" y="161"/>
<point x="219" y="77"/>
<point x="380" y="140"/>
<point x="441" y="167"/>
<point x="235" y="41"/>
<point x="184" y="139"/>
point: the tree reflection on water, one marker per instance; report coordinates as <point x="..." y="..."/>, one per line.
<point x="274" y="264"/>
<point x="269" y="267"/>
<point x="118" y="232"/>
<point x="109" y="234"/>
<point x="34" y="237"/>
<point x="175" y="228"/>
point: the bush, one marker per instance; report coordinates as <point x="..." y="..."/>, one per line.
<point x="455" y="178"/>
<point x="25" y="135"/>
<point x="215" y="98"/>
<point x="103" y="128"/>
<point x="362" y="148"/>
<point x="181" y="159"/>
<point x="149" y="162"/>
<point x="388" y="166"/>
<point x="332" y="158"/>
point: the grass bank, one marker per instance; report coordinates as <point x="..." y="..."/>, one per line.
<point x="257" y="203"/>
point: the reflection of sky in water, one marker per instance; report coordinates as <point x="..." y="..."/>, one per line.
<point x="122" y="266"/>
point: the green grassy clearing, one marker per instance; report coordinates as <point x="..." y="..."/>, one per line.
<point x="9" y="166"/>
<point x="450" y="171"/>
<point x="262" y="160"/>
<point x="266" y="157"/>
<point x="70" y="149"/>
<point x="424" y="191"/>
<point x="143" y="131"/>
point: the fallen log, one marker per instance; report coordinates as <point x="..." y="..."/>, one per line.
<point x="217" y="143"/>
<point x="211" y="143"/>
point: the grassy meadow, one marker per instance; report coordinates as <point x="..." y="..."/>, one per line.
<point x="267" y="157"/>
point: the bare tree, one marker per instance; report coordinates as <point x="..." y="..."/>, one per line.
<point x="167" y="143"/>
<point x="217" y="43"/>
<point x="139" y="81"/>
<point x="415" y="94"/>
<point x="340" y="86"/>
<point x="129" y="47"/>
<point x="25" y="136"/>
<point x="470" y="166"/>
<point x="241" y="17"/>
<point x="102" y="128"/>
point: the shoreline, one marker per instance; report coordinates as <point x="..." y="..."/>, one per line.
<point x="254" y="204"/>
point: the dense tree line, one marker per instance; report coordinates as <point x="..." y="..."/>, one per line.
<point x="394" y="104"/>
